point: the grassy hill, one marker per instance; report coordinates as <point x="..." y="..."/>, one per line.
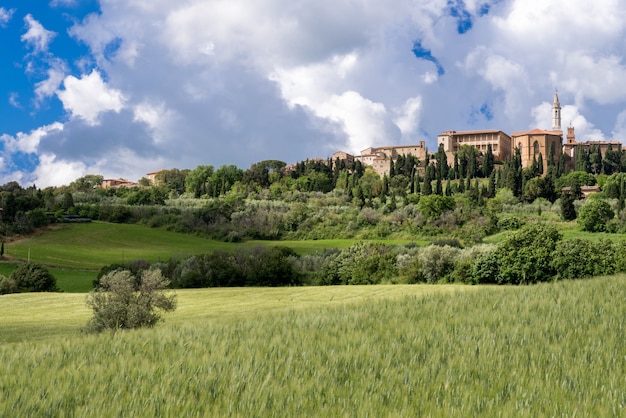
<point x="76" y="252"/>
<point x="546" y="350"/>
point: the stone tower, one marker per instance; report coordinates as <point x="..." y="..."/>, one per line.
<point x="556" y="113"/>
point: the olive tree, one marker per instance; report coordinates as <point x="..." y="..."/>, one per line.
<point x="122" y="302"/>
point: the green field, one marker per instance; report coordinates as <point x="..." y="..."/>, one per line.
<point x="76" y="252"/>
<point x="547" y="350"/>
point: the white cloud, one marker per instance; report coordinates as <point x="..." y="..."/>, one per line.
<point x="14" y="100"/>
<point x="53" y="171"/>
<point x="89" y="96"/>
<point x="28" y="142"/>
<point x="233" y="81"/>
<point x="5" y="16"/>
<point x="408" y="117"/>
<point x="37" y="36"/>
<point x="48" y="87"/>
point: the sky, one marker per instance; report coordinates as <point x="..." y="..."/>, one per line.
<point x="125" y="87"/>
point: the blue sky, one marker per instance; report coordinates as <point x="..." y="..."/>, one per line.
<point x="122" y="88"/>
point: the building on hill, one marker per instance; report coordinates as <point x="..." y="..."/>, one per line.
<point x="116" y="183"/>
<point x="152" y="177"/>
<point x="572" y="147"/>
<point x="500" y="142"/>
<point x="379" y="158"/>
<point x="537" y="141"/>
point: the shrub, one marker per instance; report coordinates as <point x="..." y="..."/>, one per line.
<point x="117" y="305"/>
<point x="465" y="260"/>
<point x="7" y="285"/>
<point x="594" y="215"/>
<point x="437" y="262"/>
<point x="572" y="259"/>
<point x="33" y="277"/>
<point x="450" y="242"/>
<point x="485" y="269"/>
<point x="361" y="263"/>
<point x="525" y="255"/>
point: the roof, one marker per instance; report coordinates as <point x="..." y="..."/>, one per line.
<point x="155" y="172"/>
<point x="475" y="132"/>
<point x="537" y="131"/>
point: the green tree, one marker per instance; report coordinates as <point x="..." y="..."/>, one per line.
<point x="594" y="215"/>
<point x="488" y="162"/>
<point x="33" y="277"/>
<point x="432" y="206"/>
<point x="120" y="303"/>
<point x="568" y="211"/>
<point x="196" y="182"/>
<point x="525" y="256"/>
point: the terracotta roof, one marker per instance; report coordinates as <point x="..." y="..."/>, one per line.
<point x="479" y="131"/>
<point x="537" y="131"/>
<point x="155" y="172"/>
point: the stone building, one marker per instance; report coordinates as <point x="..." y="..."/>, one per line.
<point x="499" y="141"/>
<point x="379" y="158"/>
<point x="535" y="142"/>
<point x="571" y="146"/>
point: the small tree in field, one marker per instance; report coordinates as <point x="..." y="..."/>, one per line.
<point x="122" y="303"/>
<point x="33" y="277"/>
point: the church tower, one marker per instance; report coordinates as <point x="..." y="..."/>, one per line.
<point x="556" y="113"/>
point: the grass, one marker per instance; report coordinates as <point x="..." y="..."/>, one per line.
<point x="93" y="245"/>
<point x="75" y="253"/>
<point x="547" y="350"/>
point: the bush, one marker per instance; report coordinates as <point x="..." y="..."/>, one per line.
<point x="117" y="305"/>
<point x="437" y="262"/>
<point x="7" y="285"/>
<point x="525" y="256"/>
<point x="361" y="263"/>
<point x="572" y="259"/>
<point x="485" y="269"/>
<point x="33" y="277"/>
<point x="594" y="215"/>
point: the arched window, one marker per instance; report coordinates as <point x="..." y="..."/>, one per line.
<point x="552" y="150"/>
<point x="536" y="148"/>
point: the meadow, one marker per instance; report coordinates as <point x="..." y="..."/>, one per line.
<point x="75" y="253"/>
<point x="554" y="349"/>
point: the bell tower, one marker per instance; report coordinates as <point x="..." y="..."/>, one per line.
<point x="556" y="113"/>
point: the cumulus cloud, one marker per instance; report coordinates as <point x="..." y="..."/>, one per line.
<point x="28" y="142"/>
<point x="89" y="96"/>
<point x="169" y="84"/>
<point x="37" y="37"/>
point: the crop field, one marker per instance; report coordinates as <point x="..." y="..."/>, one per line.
<point x="546" y="350"/>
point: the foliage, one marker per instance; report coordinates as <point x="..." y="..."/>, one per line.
<point x="433" y="206"/>
<point x="437" y="262"/>
<point x="361" y="263"/>
<point x="119" y="304"/>
<point x="33" y="277"/>
<point x="257" y="266"/>
<point x="578" y="258"/>
<point x="594" y="215"/>
<point x="524" y="256"/>
<point x="7" y="285"/>
<point x="568" y="210"/>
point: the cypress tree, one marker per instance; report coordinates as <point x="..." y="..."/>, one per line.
<point x="438" y="187"/>
<point x="491" y="188"/>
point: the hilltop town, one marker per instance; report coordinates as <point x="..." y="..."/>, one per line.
<point x="547" y="142"/>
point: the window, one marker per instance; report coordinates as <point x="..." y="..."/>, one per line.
<point x="536" y="148"/>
